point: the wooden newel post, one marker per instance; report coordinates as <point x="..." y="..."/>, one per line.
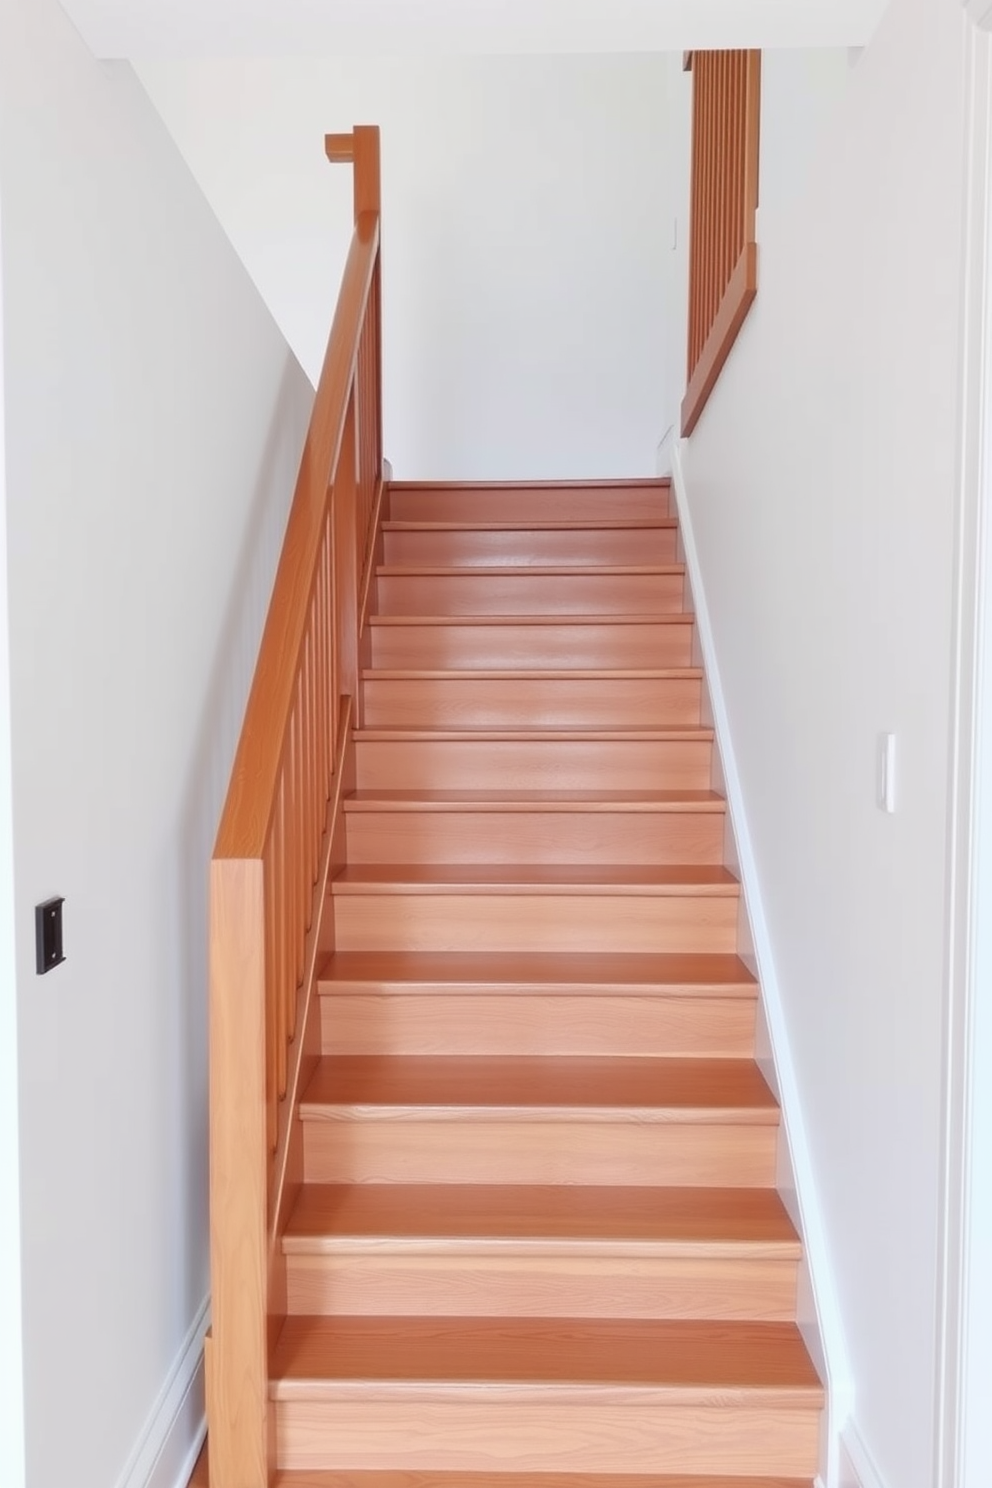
<point x="360" y="148"/>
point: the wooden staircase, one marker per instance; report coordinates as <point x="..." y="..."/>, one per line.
<point x="537" y="1239"/>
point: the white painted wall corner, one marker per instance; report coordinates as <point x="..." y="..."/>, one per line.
<point x="170" y="1443"/>
<point x="830" y="1344"/>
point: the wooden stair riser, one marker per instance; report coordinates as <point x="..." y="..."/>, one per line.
<point x="534" y="922"/>
<point x="526" y="764"/>
<point x="529" y="503"/>
<point x="429" y="836"/>
<point x="515" y="592"/>
<point x="454" y="1280"/>
<point x="549" y="645"/>
<point x="531" y="702"/>
<point x="579" y="545"/>
<point x="489" y="1024"/>
<point x="513" y="1436"/>
<point x="413" y="1147"/>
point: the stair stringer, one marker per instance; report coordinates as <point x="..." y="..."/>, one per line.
<point x="819" y="1312"/>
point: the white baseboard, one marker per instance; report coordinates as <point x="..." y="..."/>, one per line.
<point x="170" y="1443"/>
<point x="857" y="1465"/>
<point x="832" y="1344"/>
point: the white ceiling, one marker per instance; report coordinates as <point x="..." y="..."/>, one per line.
<point x="191" y="28"/>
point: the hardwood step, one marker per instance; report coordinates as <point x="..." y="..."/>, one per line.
<point x="632" y="589"/>
<point x="545" y="1395"/>
<point x="534" y="907"/>
<point x="532" y="699"/>
<point x="491" y="1004"/>
<point x="490" y="543"/>
<point x="363" y="1478"/>
<point x="531" y="640"/>
<point x="520" y="759"/>
<point x="615" y="1122"/>
<point x="526" y="501"/>
<point x="535" y="826"/>
<point x="452" y="1249"/>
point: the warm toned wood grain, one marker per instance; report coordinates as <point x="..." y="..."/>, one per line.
<point x="273" y="848"/>
<point x="435" y="543"/>
<point x="552" y="591"/>
<point x="532" y="700"/>
<point x="684" y="880"/>
<point x="244" y="826"/>
<point x="237" y="1365"/>
<point x="357" y="1478"/>
<point x="528" y="500"/>
<point x="542" y="1252"/>
<point x="659" y="1089"/>
<point x="527" y="923"/>
<point x="537" y="1023"/>
<point x="579" y="760"/>
<point x="584" y="1149"/>
<point x="536" y="641"/>
<point x="753" y="1439"/>
<point x="724" y="197"/>
<point x="738" y="298"/>
<point x="701" y="1361"/>
<point x="331" y="1219"/>
<point x="687" y="975"/>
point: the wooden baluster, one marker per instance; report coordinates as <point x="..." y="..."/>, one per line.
<point x="346" y="559"/>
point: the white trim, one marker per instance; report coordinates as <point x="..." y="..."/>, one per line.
<point x="12" y="1446"/>
<point x="963" y="1427"/>
<point x="980" y="11"/>
<point x="168" y="1446"/>
<point x="826" y="1302"/>
<point x="860" y="1462"/>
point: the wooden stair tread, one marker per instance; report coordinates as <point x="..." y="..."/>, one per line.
<point x="658" y="1089"/>
<point x="608" y="617"/>
<point x="691" y="974"/>
<point x="535" y="800"/>
<point x="361" y="1478"/>
<point x="562" y="734"/>
<point x="621" y="483"/>
<point x="332" y="1217"/>
<point x="578" y="524"/>
<point x="530" y="570"/>
<point x="547" y="674"/>
<point x="508" y="878"/>
<point x="703" y="1362"/>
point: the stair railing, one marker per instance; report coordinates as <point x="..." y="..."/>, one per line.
<point x="723" y="252"/>
<point x="270" y="859"/>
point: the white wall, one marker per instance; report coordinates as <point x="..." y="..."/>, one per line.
<point x="11" y="1357"/>
<point x="302" y="28"/>
<point x="154" y="420"/>
<point x="524" y="225"/>
<point x="822" y="485"/>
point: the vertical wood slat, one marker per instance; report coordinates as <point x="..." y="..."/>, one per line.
<point x="723" y="206"/>
<point x="270" y="842"/>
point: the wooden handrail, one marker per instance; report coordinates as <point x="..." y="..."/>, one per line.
<point x="273" y="850"/>
<point x="723" y="253"/>
<point x="242" y="831"/>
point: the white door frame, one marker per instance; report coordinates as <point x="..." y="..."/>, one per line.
<point x="964" y="1397"/>
<point x="12" y="1466"/>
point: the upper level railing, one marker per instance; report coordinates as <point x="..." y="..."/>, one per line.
<point x="270" y="859"/>
<point x="723" y="253"/>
